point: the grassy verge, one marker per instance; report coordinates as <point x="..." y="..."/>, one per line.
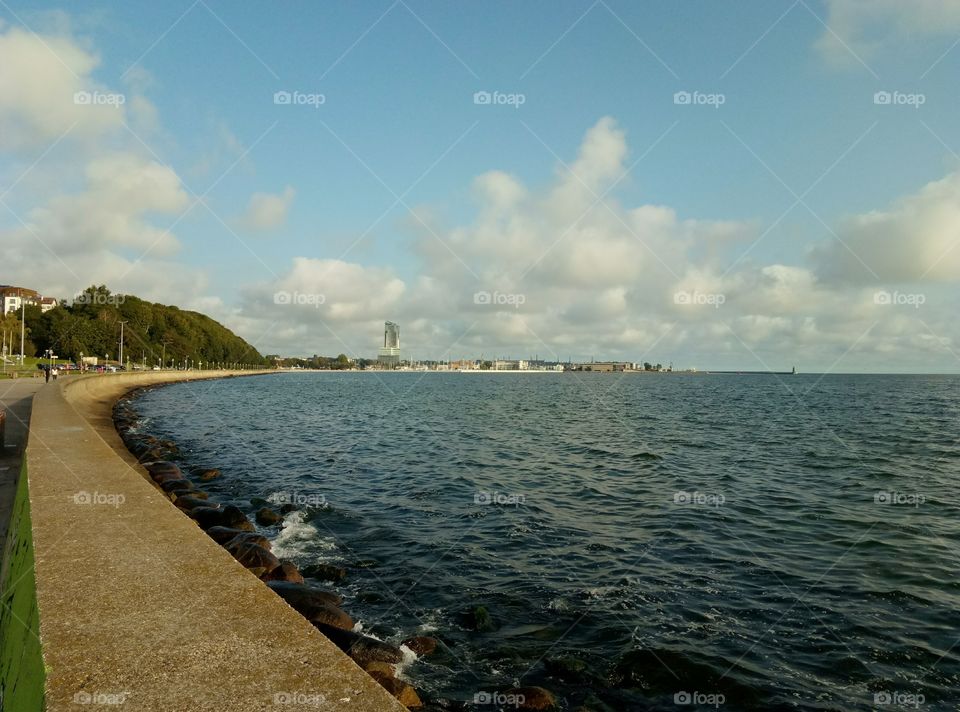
<point x="21" y="658"/>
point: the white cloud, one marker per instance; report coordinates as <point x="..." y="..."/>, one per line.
<point x="267" y="211"/>
<point x="39" y="87"/>
<point x="916" y="238"/>
<point x="867" y="26"/>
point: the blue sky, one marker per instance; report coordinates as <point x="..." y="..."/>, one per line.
<point x="798" y="119"/>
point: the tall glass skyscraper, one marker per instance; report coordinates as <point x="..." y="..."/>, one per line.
<point x="390" y="351"/>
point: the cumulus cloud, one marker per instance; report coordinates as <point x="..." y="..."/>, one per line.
<point x="46" y="91"/>
<point x="267" y="211"/>
<point x="916" y="238"/>
<point x="867" y="26"/>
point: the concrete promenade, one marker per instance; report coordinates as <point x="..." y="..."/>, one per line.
<point x="136" y="604"/>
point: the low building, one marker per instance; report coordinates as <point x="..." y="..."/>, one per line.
<point x="509" y="365"/>
<point x="607" y="366"/>
<point x="14" y="298"/>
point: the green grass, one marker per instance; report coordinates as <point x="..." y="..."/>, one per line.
<point x="21" y="658"/>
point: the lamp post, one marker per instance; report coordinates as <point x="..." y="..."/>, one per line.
<point x="23" y="321"/>
<point x="121" y="342"/>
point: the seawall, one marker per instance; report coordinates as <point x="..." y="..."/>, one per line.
<point x="137" y="606"/>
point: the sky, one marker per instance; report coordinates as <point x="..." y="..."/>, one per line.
<point x="754" y="185"/>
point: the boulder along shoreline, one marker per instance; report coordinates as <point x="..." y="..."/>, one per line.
<point x="233" y="529"/>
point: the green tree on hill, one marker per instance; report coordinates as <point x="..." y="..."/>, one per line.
<point x="91" y="326"/>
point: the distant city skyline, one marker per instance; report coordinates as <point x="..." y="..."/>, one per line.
<point x="753" y="185"/>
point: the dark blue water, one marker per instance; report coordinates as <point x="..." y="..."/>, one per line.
<point x="782" y="542"/>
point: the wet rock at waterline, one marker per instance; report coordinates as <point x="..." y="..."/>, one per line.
<point x="325" y="572"/>
<point x="421" y="645"/>
<point x="222" y="535"/>
<point x="302" y="597"/>
<point x="242" y="537"/>
<point x="252" y="556"/>
<point x="532" y="698"/>
<point x="205" y="475"/>
<point x="286" y="571"/>
<point x="363" y="649"/>
<point x="479" y="619"/>
<point x="403" y="692"/>
<point x="229" y="516"/>
<point x="189" y="502"/>
<point x="267" y="517"/>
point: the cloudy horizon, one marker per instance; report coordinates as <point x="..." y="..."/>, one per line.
<point x="753" y="187"/>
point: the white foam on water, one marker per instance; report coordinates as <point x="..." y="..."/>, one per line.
<point x="299" y="538"/>
<point x="409" y="658"/>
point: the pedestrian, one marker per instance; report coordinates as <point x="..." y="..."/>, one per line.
<point x="46" y="373"/>
<point x="56" y="372"/>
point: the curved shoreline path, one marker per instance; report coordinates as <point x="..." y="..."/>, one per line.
<point x="137" y="606"/>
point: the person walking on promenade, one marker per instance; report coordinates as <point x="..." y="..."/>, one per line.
<point x="56" y="372"/>
<point x="46" y="374"/>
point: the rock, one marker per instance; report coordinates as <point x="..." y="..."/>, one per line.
<point x="241" y="537"/>
<point x="302" y="597"/>
<point x="421" y="644"/>
<point x="252" y="556"/>
<point x="404" y="693"/>
<point x="325" y="572"/>
<point x="228" y="516"/>
<point x="152" y="455"/>
<point x="287" y="508"/>
<point x="267" y="517"/>
<point x="222" y="535"/>
<point x="286" y="571"/>
<point x="207" y="475"/>
<point x="479" y="619"/>
<point x="327" y="615"/>
<point x="178" y="486"/>
<point x="363" y="649"/>
<point x="567" y="667"/>
<point x="188" y="502"/>
<point x="533" y="698"/>
<point x="385" y="669"/>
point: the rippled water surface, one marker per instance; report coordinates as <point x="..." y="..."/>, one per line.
<point x="785" y="542"/>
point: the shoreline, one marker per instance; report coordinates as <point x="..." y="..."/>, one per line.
<point x="252" y="547"/>
<point x="136" y="604"/>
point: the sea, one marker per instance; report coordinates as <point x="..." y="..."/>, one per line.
<point x="626" y="541"/>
